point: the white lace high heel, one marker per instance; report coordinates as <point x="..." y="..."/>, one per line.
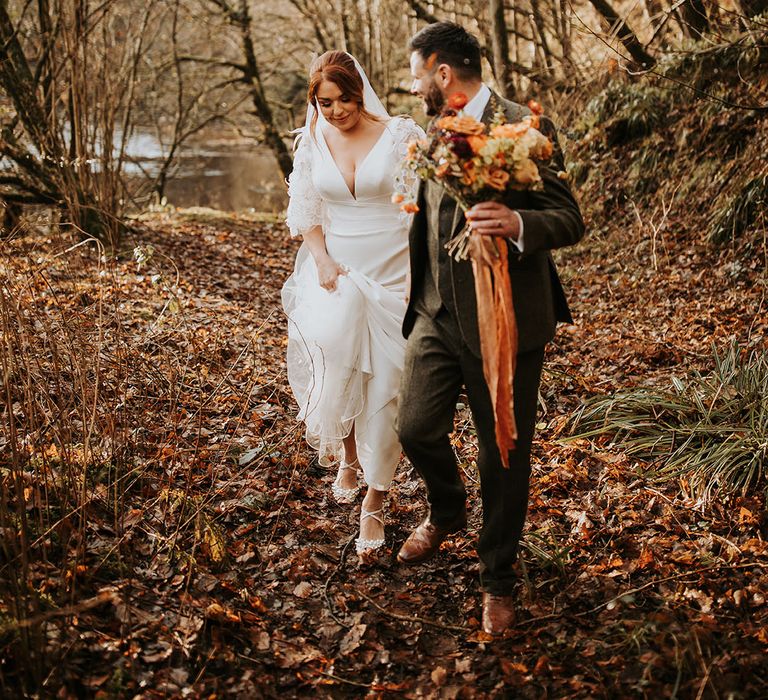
<point x="363" y="545"/>
<point x="340" y="493"/>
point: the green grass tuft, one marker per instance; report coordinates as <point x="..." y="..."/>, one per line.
<point x="711" y="430"/>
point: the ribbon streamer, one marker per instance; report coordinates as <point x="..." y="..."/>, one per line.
<point x="498" y="334"/>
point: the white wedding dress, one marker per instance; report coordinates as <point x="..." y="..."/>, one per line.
<point x="345" y="348"/>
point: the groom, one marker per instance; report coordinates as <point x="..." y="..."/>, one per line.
<point x="443" y="350"/>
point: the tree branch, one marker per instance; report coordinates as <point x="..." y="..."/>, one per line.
<point x="422" y="13"/>
<point x="624" y="33"/>
<point x="209" y="61"/>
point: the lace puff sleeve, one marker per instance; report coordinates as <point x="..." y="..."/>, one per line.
<point x="305" y="206"/>
<point x="406" y="181"/>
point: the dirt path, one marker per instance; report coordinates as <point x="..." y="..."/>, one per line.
<point x="238" y="578"/>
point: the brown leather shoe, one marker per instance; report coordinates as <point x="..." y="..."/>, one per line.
<point x="498" y="613"/>
<point x="425" y="540"/>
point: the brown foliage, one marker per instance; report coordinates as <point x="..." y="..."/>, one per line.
<point x="200" y="550"/>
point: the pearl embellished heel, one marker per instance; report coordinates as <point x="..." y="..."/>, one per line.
<point x="363" y="545"/>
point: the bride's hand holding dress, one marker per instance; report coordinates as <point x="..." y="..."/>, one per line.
<point x="328" y="270"/>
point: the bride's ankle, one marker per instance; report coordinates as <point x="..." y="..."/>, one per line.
<point x="346" y="475"/>
<point x="374" y="499"/>
<point x="372" y="516"/>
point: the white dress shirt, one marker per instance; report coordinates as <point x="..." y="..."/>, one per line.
<point x="475" y="108"/>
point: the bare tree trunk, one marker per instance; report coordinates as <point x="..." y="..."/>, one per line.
<point x="541" y="29"/>
<point x="50" y="176"/>
<point x="17" y="79"/>
<point x="241" y="19"/>
<point x="517" y="57"/>
<point x="624" y="33"/>
<point x="565" y="32"/>
<point x="310" y="16"/>
<point x="271" y="134"/>
<point x="500" y="43"/>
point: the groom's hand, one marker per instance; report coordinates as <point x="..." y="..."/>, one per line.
<point x="494" y="219"/>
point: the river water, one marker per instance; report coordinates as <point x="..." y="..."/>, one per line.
<point x="227" y="175"/>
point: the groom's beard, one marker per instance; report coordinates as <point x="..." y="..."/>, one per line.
<point x="433" y="101"/>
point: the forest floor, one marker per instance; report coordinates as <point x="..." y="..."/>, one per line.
<point x="231" y="573"/>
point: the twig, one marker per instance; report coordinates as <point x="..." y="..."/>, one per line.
<point x="451" y="628"/>
<point x="707" y="668"/>
<point x="107" y="596"/>
<point x="343" y="680"/>
<point x="409" y="618"/>
<point x="663" y="76"/>
<point x="285" y="498"/>
<point x="333" y="573"/>
<point x="632" y="591"/>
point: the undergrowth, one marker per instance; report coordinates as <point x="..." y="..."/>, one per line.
<point x="709" y="430"/>
<point x="104" y="464"/>
<point x="687" y="128"/>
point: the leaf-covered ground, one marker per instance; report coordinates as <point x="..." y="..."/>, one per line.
<point x="230" y="571"/>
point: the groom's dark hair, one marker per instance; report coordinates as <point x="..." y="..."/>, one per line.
<point x="452" y="44"/>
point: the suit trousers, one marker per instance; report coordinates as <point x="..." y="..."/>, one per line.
<point x="437" y="364"/>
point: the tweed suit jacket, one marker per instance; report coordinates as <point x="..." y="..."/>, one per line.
<point x="551" y="219"/>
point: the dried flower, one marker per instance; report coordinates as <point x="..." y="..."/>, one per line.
<point x="499" y="178"/>
<point x="460" y="146"/>
<point x="461" y="125"/>
<point x="477" y="143"/>
<point x="457" y="101"/>
<point x="535" y="107"/>
<point x="510" y="131"/>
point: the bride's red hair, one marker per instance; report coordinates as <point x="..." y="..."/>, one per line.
<point x="338" y="68"/>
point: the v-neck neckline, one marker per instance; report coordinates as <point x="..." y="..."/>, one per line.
<point x="359" y="167"/>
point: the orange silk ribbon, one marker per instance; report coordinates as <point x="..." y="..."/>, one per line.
<point x="498" y="334"/>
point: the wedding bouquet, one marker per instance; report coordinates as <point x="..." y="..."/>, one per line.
<point x="475" y="163"/>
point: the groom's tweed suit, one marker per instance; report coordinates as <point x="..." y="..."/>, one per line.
<point x="443" y="353"/>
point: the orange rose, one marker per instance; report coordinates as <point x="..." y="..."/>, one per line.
<point x="462" y="125"/>
<point x="535" y="107"/>
<point x="457" y="101"/>
<point x="509" y="131"/>
<point x="476" y="143"/>
<point x="526" y="173"/>
<point x="410" y="207"/>
<point x="470" y="176"/>
<point x="497" y="179"/>
<point x="397" y="198"/>
<point x="545" y="151"/>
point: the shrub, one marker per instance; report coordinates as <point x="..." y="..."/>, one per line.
<point x="710" y="430"/>
<point x="746" y="208"/>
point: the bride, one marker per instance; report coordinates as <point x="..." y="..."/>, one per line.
<point x="347" y="296"/>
